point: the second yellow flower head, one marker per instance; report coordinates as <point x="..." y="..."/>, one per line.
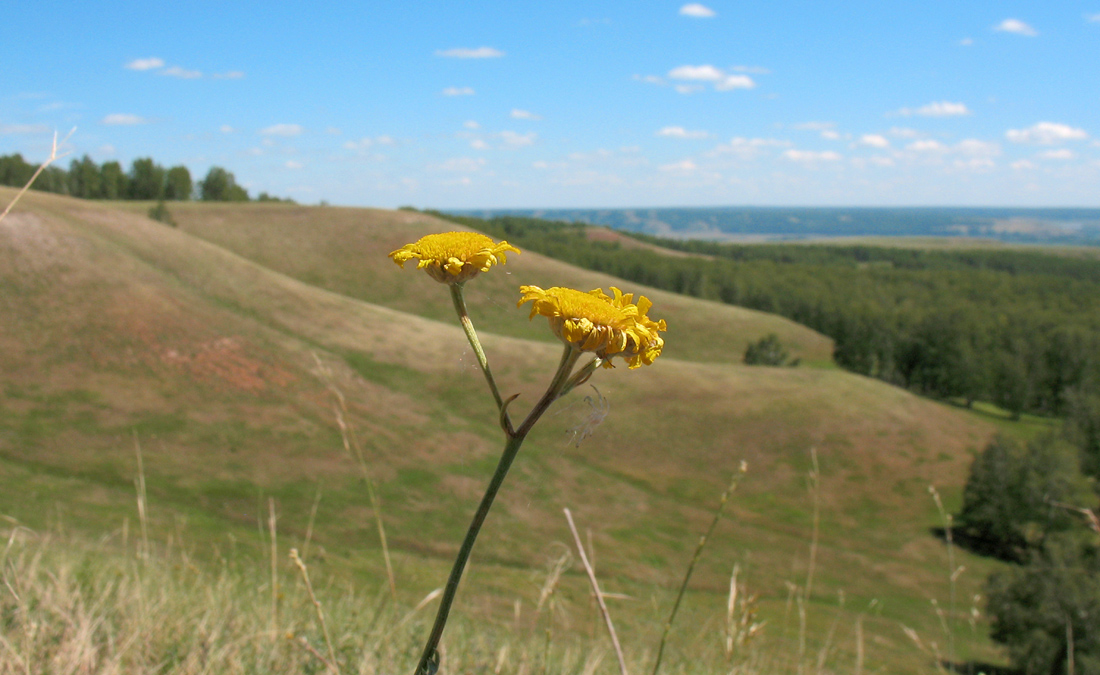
<point x="595" y="322"/>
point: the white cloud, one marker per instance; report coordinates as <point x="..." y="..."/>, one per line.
<point x="874" y="141"/>
<point x="24" y="129"/>
<point x="810" y="156"/>
<point x="182" y="73"/>
<point x="926" y="146"/>
<point x="830" y="135"/>
<point x="471" y="124"/>
<point x="231" y="75"/>
<point x="1095" y="18"/>
<point x="966" y="42"/>
<point x="1063" y="153"/>
<point x="978" y="148"/>
<point x="937" y="109"/>
<point x="461" y="164"/>
<point x="903" y="132"/>
<point x="385" y="140"/>
<point x="747" y="148"/>
<point x="291" y="164"/>
<point x="333" y="131"/>
<point x="515" y="140"/>
<point x="735" y="82"/>
<point x="680" y="132"/>
<point x="651" y="79"/>
<point x="1022" y="164"/>
<point x="518" y="114"/>
<point x="688" y="88"/>
<point x="1046" y="133"/>
<point x="145" y="64"/>
<point x="1016" y="26"/>
<point x="465" y="53"/>
<point x="755" y="70"/>
<point x="478" y="144"/>
<point x="697" y="11"/>
<point x="123" y="119"/>
<point x="285" y="130"/>
<point x="685" y="165"/>
<point x="226" y="129"/>
<point x="107" y="149"/>
<point x="458" y="91"/>
<point x="707" y="73"/>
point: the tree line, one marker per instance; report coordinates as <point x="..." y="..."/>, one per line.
<point x="145" y="180"/>
<point x="1017" y="328"/>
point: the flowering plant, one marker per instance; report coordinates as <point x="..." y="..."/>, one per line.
<point x="593" y="322"/>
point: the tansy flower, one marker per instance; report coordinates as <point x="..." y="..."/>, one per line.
<point x="594" y="322"/>
<point x="454" y="257"/>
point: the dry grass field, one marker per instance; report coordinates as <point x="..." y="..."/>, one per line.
<point x="203" y="344"/>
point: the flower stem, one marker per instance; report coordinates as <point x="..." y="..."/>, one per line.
<point x="429" y="660"/>
<point x="471" y="335"/>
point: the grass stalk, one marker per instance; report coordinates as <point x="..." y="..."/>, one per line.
<point x="599" y="596"/>
<point x="271" y="526"/>
<point x="42" y="167"/>
<point x="331" y="660"/>
<point x="141" y="500"/>
<point x="695" y="558"/>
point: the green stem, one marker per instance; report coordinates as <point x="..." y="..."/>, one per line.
<point x="471" y="335"/>
<point x="429" y="660"/>
<point x="694" y="559"/>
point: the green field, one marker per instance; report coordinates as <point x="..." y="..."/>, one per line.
<point x="202" y="343"/>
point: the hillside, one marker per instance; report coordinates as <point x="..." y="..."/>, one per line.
<point x="202" y="341"/>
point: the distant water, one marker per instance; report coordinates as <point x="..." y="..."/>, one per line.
<point x="737" y="223"/>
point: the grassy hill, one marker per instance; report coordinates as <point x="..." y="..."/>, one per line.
<point x="203" y="343"/>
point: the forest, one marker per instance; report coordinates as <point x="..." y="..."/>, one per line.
<point x="145" y="180"/>
<point x="1018" y="328"/>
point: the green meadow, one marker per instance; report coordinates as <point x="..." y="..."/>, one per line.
<point x="213" y="350"/>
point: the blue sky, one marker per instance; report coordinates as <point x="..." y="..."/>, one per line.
<point x="571" y="104"/>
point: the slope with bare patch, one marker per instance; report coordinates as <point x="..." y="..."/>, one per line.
<point x="115" y="324"/>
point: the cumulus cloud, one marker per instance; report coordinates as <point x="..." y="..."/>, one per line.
<point x="123" y="119"/>
<point x="830" y="135"/>
<point x="651" y="79"/>
<point x="1022" y="164"/>
<point x="697" y="11"/>
<point x="1046" y="133"/>
<point x="518" y="114"/>
<point x="903" y="132"/>
<point x="458" y="91"/>
<point x="1016" y="26"/>
<point x="146" y="64"/>
<point x="182" y="73"/>
<point x="966" y="42"/>
<point x="478" y="144"/>
<point x="721" y="80"/>
<point x="24" y="129"/>
<point x="681" y="166"/>
<point x="874" y="141"/>
<point x="926" y="146"/>
<point x="747" y="148"/>
<point x="465" y="53"/>
<point x="811" y="156"/>
<point x="1062" y="154"/>
<point x="937" y="109"/>
<point x="461" y="164"/>
<point x="226" y="129"/>
<point x="471" y="124"/>
<point x="680" y="132"/>
<point x="977" y="148"/>
<point x="688" y="88"/>
<point x="516" y="140"/>
<point x="231" y="75"/>
<point x="291" y="164"/>
<point x="1095" y="18"/>
<point x="285" y="130"/>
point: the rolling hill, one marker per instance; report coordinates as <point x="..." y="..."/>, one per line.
<point x="209" y="343"/>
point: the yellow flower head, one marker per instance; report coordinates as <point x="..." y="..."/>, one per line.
<point x="595" y="322"/>
<point x="454" y="257"/>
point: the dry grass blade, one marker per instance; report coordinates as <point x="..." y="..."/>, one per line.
<point x="50" y="160"/>
<point x="331" y="660"/>
<point x="596" y="591"/>
<point x="695" y="558"/>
